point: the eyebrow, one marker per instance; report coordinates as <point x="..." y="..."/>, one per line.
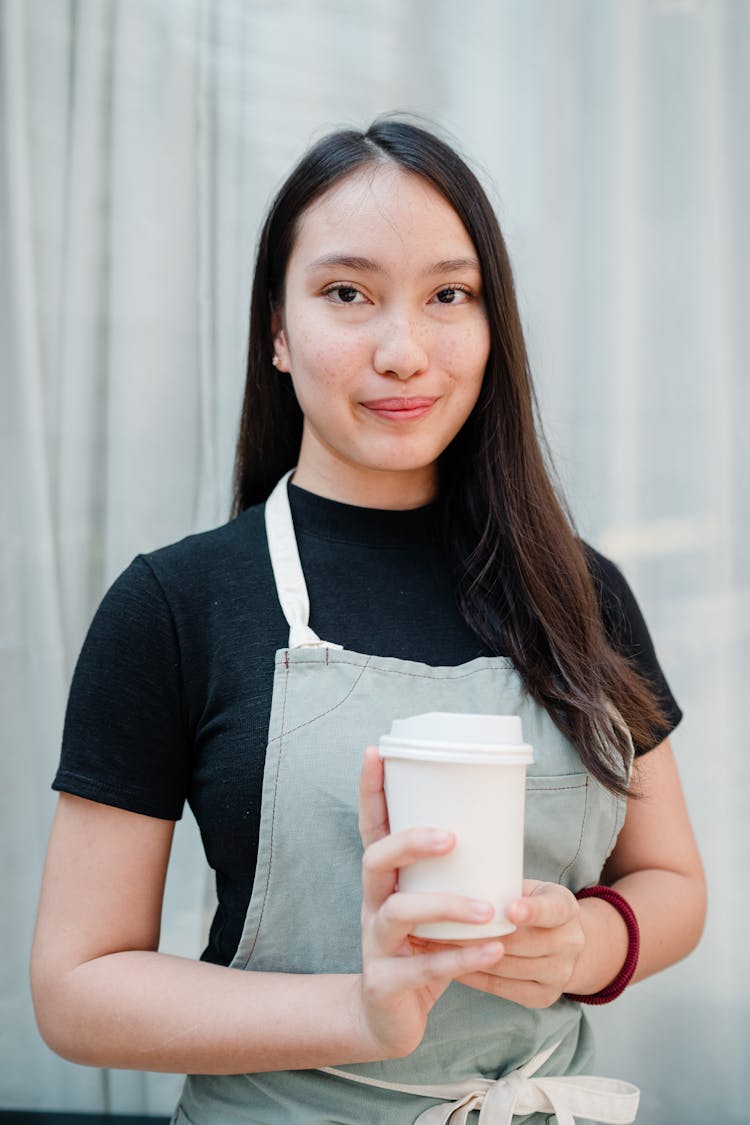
<point x="454" y="265"/>
<point x="347" y="262"/>
<point x="367" y="265"/>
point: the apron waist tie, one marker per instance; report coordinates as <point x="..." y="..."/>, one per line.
<point x="607" y="1100"/>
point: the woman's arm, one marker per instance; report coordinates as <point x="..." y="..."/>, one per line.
<point x="655" y="866"/>
<point x="105" y="997"/>
<point x="563" y="945"/>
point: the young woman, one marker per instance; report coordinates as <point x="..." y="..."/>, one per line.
<point x="416" y="559"/>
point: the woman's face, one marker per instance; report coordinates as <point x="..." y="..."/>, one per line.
<point x="384" y="334"/>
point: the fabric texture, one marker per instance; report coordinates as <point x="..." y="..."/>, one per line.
<point x="171" y="696"/>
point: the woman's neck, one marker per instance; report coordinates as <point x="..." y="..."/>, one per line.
<point x="369" y="488"/>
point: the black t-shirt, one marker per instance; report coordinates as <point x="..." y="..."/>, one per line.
<point x="171" y="695"/>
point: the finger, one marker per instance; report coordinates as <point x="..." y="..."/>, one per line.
<point x="384" y="857"/>
<point x="537" y="941"/>
<point x="530" y="994"/>
<point x="399" y="974"/>
<point x="428" y="945"/>
<point x="401" y="913"/>
<point x="373" y="812"/>
<point x="533" y="970"/>
<point x="399" y="849"/>
<point x="549" y="905"/>
<point x="529" y="968"/>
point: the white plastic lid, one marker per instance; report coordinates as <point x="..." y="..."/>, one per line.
<point x="453" y="736"/>
<point x="452" y="726"/>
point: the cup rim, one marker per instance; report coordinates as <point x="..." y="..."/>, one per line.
<point x="460" y="752"/>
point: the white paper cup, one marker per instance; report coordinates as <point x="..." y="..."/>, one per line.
<point x="467" y="774"/>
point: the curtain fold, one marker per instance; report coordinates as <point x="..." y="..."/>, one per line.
<point x="141" y="141"/>
<point x="33" y="680"/>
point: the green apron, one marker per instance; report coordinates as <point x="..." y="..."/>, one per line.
<point x="304" y="912"/>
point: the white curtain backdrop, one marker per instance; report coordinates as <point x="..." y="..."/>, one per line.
<point x="141" y="140"/>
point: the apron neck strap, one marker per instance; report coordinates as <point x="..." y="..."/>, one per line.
<point x="287" y="569"/>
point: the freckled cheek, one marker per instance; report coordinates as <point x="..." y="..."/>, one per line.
<point x="465" y="353"/>
<point x="329" y="358"/>
<point x="309" y="349"/>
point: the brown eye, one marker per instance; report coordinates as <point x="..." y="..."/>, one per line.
<point x="343" y="294"/>
<point x="452" y="295"/>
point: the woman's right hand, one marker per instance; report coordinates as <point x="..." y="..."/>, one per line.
<point x="399" y="983"/>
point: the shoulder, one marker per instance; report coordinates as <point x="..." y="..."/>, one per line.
<point x="628" y="633"/>
<point x="608" y="578"/>
<point x="238" y="538"/>
<point x="185" y="588"/>
<point x="207" y="564"/>
<point x="621" y="614"/>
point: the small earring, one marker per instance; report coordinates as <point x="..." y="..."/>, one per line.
<point x="275" y="361"/>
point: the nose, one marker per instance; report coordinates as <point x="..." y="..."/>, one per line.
<point x="399" y="350"/>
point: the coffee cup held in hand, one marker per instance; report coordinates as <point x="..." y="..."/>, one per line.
<point x="467" y="774"/>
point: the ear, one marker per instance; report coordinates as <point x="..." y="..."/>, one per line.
<point x="280" y="346"/>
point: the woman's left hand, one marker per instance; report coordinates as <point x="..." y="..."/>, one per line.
<point x="540" y="955"/>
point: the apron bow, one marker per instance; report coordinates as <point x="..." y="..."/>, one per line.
<point x="608" y="1100"/>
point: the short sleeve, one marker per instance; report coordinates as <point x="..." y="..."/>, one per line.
<point x="124" y="739"/>
<point x="628" y="633"/>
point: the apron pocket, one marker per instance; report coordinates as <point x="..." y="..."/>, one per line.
<point x="556" y="814"/>
<point x="572" y="823"/>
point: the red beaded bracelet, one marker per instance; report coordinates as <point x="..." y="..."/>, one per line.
<point x="623" y="978"/>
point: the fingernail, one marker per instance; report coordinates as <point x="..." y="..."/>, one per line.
<point x="439" y="839"/>
<point x="492" y="951"/>
<point x="481" y="909"/>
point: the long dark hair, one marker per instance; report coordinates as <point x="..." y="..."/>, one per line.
<point x="522" y="578"/>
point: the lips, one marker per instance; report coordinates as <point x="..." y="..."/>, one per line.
<point x="400" y="409"/>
